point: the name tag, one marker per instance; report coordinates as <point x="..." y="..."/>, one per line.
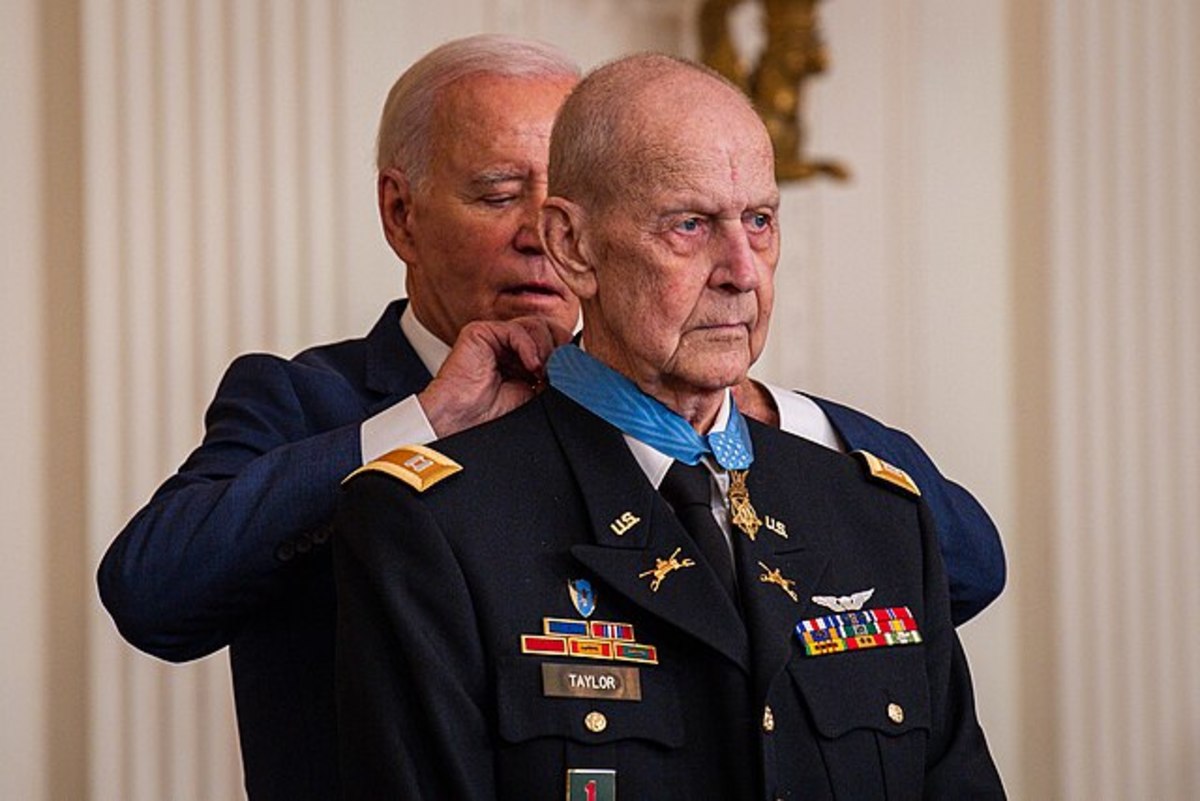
<point x="614" y="683"/>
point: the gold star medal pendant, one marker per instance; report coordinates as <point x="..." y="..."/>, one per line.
<point x="741" y="511"/>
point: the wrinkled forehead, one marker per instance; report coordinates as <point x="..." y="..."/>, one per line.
<point x="500" y="101"/>
<point x="484" y="118"/>
<point x="702" y="153"/>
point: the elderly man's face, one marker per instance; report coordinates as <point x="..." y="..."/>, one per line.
<point x="684" y="262"/>
<point x="472" y="246"/>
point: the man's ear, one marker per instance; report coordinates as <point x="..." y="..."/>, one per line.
<point x="395" y="212"/>
<point x="561" y="225"/>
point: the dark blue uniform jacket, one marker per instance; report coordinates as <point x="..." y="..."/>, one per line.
<point x="438" y="698"/>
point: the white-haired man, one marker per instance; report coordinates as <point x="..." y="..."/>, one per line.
<point x="233" y="549"/>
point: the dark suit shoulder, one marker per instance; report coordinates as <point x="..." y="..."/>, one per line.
<point x="341" y="362"/>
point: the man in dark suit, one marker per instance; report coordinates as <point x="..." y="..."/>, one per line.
<point x="520" y="611"/>
<point x="233" y="549"/>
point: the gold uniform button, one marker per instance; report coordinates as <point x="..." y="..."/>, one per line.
<point x="895" y="713"/>
<point x="595" y="722"/>
<point x="768" y="720"/>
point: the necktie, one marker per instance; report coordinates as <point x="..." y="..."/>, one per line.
<point x="687" y="489"/>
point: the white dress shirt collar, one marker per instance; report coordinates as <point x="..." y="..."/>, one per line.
<point x="430" y="350"/>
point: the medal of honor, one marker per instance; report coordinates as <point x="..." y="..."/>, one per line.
<point x="741" y="511"/>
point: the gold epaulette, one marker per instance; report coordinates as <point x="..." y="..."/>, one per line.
<point x="889" y="473"/>
<point x="417" y="466"/>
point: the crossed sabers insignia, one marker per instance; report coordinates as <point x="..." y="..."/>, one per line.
<point x="770" y="576"/>
<point x="664" y="566"/>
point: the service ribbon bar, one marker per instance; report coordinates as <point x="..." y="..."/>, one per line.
<point x="564" y="628"/>
<point x="588" y="640"/>
<point x="602" y="630"/>
<point x="635" y="652"/>
<point x="852" y="631"/>
<point x="533" y="644"/>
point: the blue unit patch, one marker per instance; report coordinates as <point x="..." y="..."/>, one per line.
<point x="582" y="596"/>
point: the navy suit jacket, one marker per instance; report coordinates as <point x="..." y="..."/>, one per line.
<point x="233" y="549"/>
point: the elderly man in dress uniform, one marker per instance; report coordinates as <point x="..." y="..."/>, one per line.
<point x="625" y="588"/>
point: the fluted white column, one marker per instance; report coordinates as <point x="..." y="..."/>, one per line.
<point x="210" y="180"/>
<point x="1125" y="262"/>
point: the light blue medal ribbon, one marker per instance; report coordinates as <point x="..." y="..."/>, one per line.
<point x="614" y="398"/>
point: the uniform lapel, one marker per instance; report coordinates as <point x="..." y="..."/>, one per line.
<point x="632" y="527"/>
<point x="787" y="503"/>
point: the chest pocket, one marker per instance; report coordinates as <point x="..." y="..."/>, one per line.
<point x="871" y="712"/>
<point x="541" y="737"/>
<point x="525" y="713"/>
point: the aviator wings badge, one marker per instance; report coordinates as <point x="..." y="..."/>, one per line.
<point x="844" y="603"/>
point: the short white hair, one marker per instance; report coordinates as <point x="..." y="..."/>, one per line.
<point x="404" y="127"/>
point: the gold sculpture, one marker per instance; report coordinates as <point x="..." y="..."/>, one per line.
<point x="794" y="52"/>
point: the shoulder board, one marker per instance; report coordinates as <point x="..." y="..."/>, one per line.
<point x="888" y="473"/>
<point x="417" y="466"/>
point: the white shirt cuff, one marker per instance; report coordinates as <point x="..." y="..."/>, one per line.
<point x="403" y="423"/>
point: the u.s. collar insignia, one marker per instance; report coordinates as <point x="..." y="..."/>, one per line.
<point x="626" y="521"/>
<point x="844" y="603"/>
<point x="582" y="596"/>
<point x="888" y="473"/>
<point x="417" y="466"/>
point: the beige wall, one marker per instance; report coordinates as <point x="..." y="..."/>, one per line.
<point x="22" y="686"/>
<point x="1013" y="275"/>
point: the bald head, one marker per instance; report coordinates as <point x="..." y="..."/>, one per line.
<point x="661" y="218"/>
<point x="612" y="128"/>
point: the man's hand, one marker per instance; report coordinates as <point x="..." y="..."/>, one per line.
<point x="494" y="367"/>
<point x="754" y="401"/>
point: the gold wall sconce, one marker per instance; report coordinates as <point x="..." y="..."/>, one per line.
<point x="794" y="52"/>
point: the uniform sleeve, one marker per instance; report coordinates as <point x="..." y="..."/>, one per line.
<point x="223" y="536"/>
<point x="967" y="538"/>
<point x="959" y="764"/>
<point x="411" y="678"/>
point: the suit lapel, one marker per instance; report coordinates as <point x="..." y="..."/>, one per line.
<point x="393" y="368"/>
<point x="801" y="508"/>
<point x="632" y="527"/>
